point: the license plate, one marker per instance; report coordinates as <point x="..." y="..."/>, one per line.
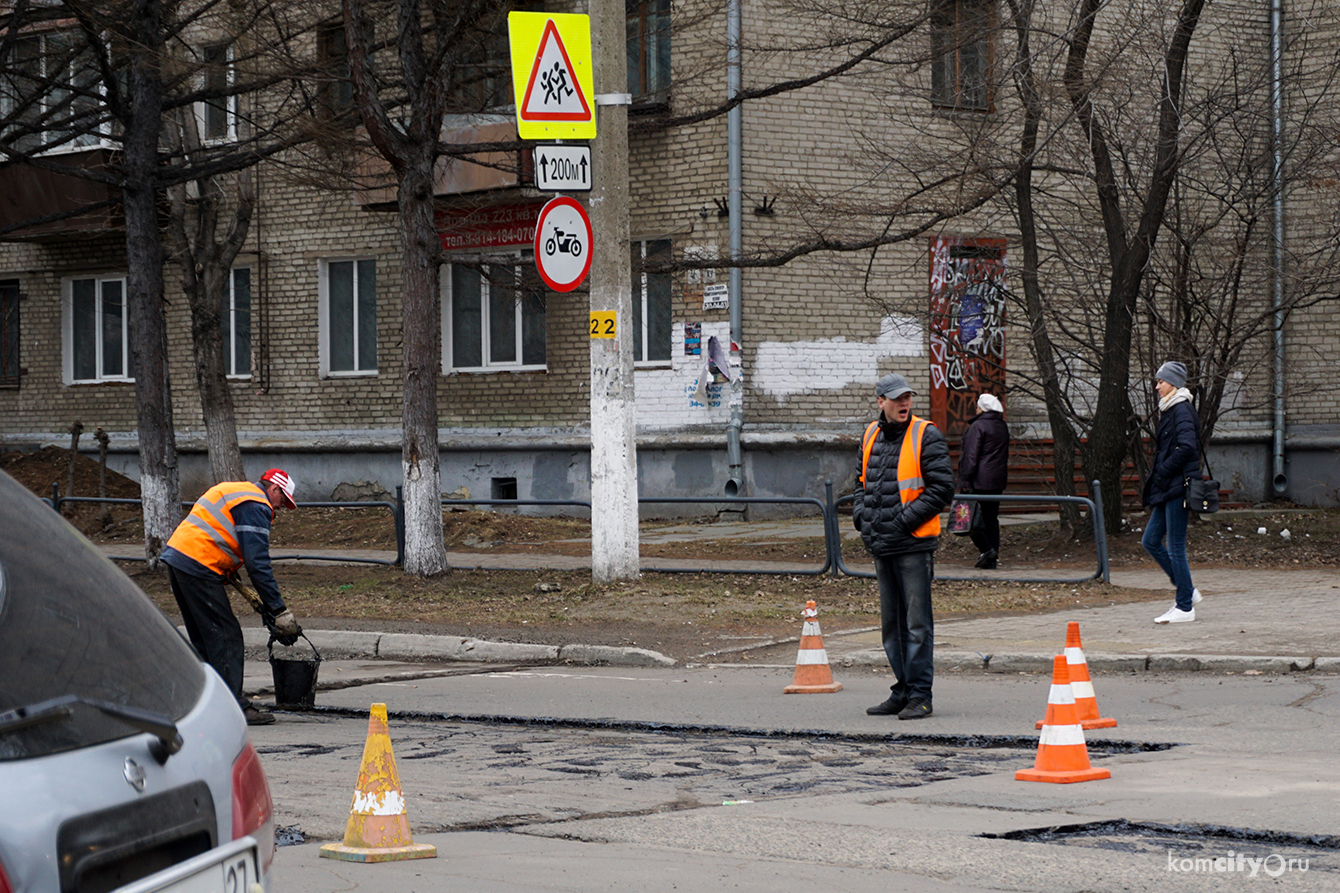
<point x="230" y="868"/>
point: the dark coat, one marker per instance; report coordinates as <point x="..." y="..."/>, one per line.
<point x="878" y="512"/>
<point x="1176" y="455"/>
<point x="984" y="463"/>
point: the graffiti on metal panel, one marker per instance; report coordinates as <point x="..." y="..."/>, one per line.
<point x="967" y="337"/>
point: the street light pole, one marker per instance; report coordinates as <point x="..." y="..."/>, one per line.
<point x="614" y="513"/>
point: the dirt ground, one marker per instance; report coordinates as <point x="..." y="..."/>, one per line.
<point x="682" y="615"/>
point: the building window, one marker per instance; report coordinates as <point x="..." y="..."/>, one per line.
<point x="50" y="94"/>
<point x="651" y="303"/>
<point x="648" y="46"/>
<point x="493" y="314"/>
<point x="961" y="34"/>
<point x="217" y="114"/>
<point x="348" y="311"/>
<point x="9" y="334"/>
<point x="335" y="93"/>
<point x="97" y="330"/>
<point x="236" y="324"/>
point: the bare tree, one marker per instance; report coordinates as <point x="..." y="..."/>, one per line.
<point x="402" y="105"/>
<point x="120" y="71"/>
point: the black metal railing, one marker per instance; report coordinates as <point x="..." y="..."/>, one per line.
<point x="828" y="511"/>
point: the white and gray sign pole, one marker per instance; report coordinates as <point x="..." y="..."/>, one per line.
<point x="614" y="511"/>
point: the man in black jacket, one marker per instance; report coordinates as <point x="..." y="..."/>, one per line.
<point x="905" y="480"/>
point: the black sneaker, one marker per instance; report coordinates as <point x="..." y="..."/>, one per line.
<point x="889" y="707"/>
<point x="916" y="709"/>
<point x="257" y="717"/>
<point x="987" y="560"/>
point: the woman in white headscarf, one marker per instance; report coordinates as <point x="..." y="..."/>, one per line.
<point x="983" y="467"/>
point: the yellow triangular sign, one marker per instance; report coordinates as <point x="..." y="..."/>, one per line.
<point x="553" y="92"/>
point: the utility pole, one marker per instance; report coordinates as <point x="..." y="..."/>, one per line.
<point x="614" y="510"/>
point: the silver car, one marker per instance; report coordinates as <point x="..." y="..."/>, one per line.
<point x="124" y="760"/>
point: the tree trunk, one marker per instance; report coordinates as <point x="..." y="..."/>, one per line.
<point x="425" y="551"/>
<point x="1064" y="441"/>
<point x="160" y="489"/>
<point x="211" y="374"/>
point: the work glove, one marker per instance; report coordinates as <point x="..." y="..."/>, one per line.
<point x="284" y="628"/>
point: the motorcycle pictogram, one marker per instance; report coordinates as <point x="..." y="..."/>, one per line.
<point x="565" y="243"/>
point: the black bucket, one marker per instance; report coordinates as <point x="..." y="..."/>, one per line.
<point x="295" y="680"/>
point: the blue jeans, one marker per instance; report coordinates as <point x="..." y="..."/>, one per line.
<point x="1168" y="519"/>
<point x="905" y="619"/>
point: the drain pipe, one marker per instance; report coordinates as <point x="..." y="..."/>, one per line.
<point x="734" y="146"/>
<point x="1280" y="481"/>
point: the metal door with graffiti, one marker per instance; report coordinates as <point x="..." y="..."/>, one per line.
<point x="967" y="328"/>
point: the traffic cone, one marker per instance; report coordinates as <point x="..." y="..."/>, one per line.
<point x="1062" y="755"/>
<point x="812" y="673"/>
<point x="378" y="829"/>
<point x="1086" y="705"/>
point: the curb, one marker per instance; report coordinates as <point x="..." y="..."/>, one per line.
<point x="410" y="647"/>
<point x="1023" y="662"/>
<point x="361" y="645"/>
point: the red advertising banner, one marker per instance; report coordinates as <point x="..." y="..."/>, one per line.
<point x="499" y="226"/>
<point x="967" y="337"/>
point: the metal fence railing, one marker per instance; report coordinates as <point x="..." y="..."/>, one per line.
<point x="1095" y="506"/>
<point x="828" y="511"/>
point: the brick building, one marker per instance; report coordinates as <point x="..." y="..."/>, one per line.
<point x="313" y="322"/>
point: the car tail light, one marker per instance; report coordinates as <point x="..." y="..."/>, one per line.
<point x="4" y="881"/>
<point x="253" y="810"/>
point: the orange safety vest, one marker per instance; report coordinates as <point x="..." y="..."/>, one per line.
<point x="208" y="534"/>
<point x="910" y="483"/>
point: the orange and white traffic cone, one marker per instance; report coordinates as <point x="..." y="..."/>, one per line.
<point x="378" y="828"/>
<point x="1086" y="704"/>
<point x="812" y="673"/>
<point x="1063" y="756"/>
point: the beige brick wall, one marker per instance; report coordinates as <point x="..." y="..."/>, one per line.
<point x="832" y="159"/>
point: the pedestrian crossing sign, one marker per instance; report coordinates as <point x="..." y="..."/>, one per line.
<point x="552" y="75"/>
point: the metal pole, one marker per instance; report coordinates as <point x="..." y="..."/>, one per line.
<point x="1280" y="481"/>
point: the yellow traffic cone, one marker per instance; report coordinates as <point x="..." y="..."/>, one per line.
<point x="378" y="829"/>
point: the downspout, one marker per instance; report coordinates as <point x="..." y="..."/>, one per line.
<point x="1280" y="481"/>
<point x="734" y="145"/>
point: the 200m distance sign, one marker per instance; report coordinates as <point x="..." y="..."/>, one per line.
<point x="563" y="244"/>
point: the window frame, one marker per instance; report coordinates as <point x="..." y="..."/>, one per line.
<point x="11" y="340"/>
<point x="956" y="26"/>
<point x="68" y="335"/>
<point x="99" y="138"/>
<point x="231" y="101"/>
<point x="520" y="260"/>
<point x="647" y="27"/>
<point x="642" y="295"/>
<point x="336" y="97"/>
<point x="324" y="317"/>
<point x="232" y="349"/>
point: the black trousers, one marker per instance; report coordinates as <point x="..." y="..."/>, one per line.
<point x="211" y="626"/>
<point x="988" y="537"/>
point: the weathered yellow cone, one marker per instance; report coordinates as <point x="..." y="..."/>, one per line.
<point x="378" y="829"/>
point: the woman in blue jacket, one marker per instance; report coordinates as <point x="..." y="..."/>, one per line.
<point x="1176" y="462"/>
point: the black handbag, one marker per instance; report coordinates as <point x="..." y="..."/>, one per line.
<point x="1202" y="496"/>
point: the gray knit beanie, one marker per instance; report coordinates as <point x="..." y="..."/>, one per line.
<point x="1173" y="373"/>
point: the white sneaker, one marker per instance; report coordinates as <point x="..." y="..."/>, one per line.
<point x="1195" y="597"/>
<point x="1176" y="615"/>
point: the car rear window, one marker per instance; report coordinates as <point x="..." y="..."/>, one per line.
<point x="72" y="623"/>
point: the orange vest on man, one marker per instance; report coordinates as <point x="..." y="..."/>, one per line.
<point x="910" y="481"/>
<point x="208" y="534"/>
